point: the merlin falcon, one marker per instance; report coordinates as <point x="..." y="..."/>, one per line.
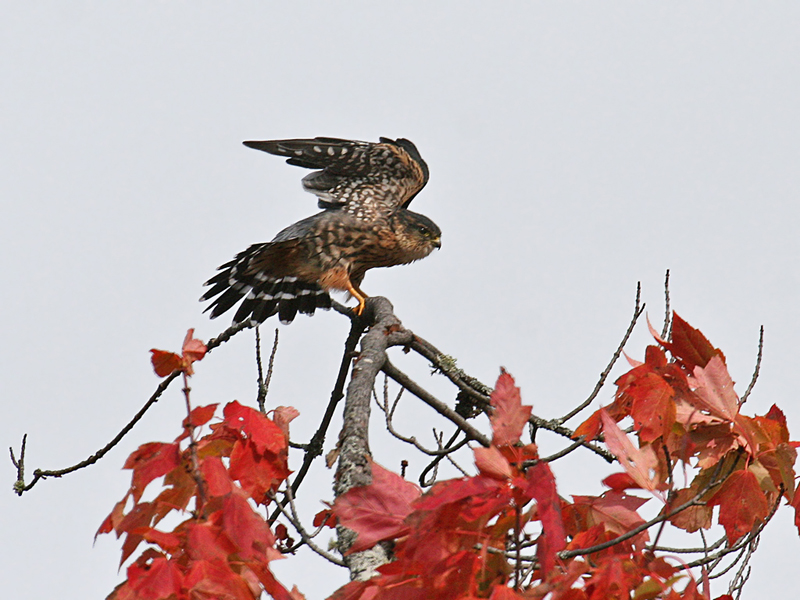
<point x="364" y="190"/>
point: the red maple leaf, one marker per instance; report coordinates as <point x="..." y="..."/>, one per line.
<point x="257" y="473"/>
<point x="491" y="462"/>
<point x="169" y="542"/>
<point x="615" y="510"/>
<point x="159" y="579"/>
<point x="282" y="416"/>
<point x="590" y="428"/>
<point x="614" y="578"/>
<point x="741" y="504"/>
<point x="620" y="482"/>
<point x="164" y="363"/>
<point x="509" y="416"/>
<point x="200" y="415"/>
<point x="714" y="388"/>
<point x="692" y="518"/>
<point x="653" y="408"/>
<point x="485" y="495"/>
<point x="377" y="511"/>
<point x="150" y="461"/>
<point x="688" y="344"/>
<point x="245" y="528"/>
<point x="637" y="462"/>
<point x="542" y="487"/>
<point x="263" y="432"/>
<point x="215" y="579"/>
<point x="216" y="477"/>
<point x="325" y="517"/>
<point x="193" y="349"/>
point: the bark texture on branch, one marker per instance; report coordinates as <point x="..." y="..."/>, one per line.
<point x="354" y="468"/>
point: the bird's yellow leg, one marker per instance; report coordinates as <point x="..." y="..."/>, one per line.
<point x="356" y="293"/>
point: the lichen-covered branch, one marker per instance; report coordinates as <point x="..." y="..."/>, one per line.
<point x="354" y="467"/>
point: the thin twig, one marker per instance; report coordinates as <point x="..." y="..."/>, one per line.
<point x="227" y="334"/>
<point x="757" y="370"/>
<point x="19" y="485"/>
<point x="389" y="420"/>
<point x="729" y="567"/>
<point x="436" y="404"/>
<point x="456" y="465"/>
<point x="480" y="392"/>
<point x="703" y="550"/>
<point x="695" y="501"/>
<point x="667" y="313"/>
<point x="668" y="460"/>
<point x="569" y="433"/>
<point x="738" y="545"/>
<point x="637" y="312"/>
<point x="261" y="395"/>
<point x="314" y="447"/>
<point x="434" y="464"/>
<point x="304" y="535"/>
<point x="446" y="365"/>
<point x="738" y="581"/>
<point x="200" y="505"/>
<point x="560" y="454"/>
<point x="263" y="385"/>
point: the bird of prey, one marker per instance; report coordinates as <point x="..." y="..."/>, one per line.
<point x="364" y="190"/>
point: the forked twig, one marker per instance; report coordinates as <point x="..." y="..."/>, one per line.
<point x="20" y="487"/>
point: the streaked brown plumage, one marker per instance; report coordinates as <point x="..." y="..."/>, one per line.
<point x="364" y="189"/>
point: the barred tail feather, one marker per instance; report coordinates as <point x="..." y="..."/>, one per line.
<point x="263" y="295"/>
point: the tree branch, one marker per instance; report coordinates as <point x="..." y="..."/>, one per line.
<point x="389" y="420"/>
<point x="314" y="447"/>
<point x="354" y="467"/>
<point x="436" y="404"/>
<point x="19" y="485"/>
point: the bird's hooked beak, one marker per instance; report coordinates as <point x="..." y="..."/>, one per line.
<point x="437" y="243"/>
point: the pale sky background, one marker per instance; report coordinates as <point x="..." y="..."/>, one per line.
<point x="575" y="148"/>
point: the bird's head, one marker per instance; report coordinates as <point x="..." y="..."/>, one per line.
<point x="417" y="234"/>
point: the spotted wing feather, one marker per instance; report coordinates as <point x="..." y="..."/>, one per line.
<point x="376" y="178"/>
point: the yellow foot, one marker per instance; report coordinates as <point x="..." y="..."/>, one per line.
<point x="360" y="296"/>
<point x="359" y="309"/>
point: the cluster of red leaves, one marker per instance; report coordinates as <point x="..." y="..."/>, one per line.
<point x="224" y="548"/>
<point x="685" y="410"/>
<point x="451" y="542"/>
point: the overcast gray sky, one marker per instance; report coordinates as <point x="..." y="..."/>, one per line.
<point x="575" y="148"/>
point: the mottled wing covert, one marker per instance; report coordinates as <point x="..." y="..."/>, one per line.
<point x="363" y="178"/>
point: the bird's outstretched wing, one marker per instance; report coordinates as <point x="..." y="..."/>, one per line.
<point x="365" y="179"/>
